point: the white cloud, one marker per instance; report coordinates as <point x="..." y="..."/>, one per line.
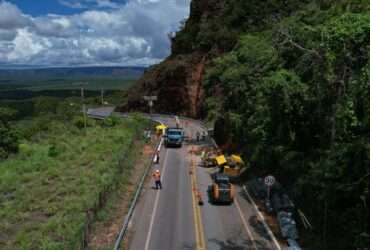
<point x="86" y="4"/>
<point x="11" y="17"/>
<point x="25" y="45"/>
<point x="7" y="35"/>
<point x="133" y="33"/>
<point x="70" y="4"/>
<point x="107" y="4"/>
<point x="54" y="26"/>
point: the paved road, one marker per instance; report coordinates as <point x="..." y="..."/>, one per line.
<point x="171" y="219"/>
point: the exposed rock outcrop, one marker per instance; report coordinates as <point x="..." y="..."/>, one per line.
<point x="177" y="81"/>
<point x="178" y="84"/>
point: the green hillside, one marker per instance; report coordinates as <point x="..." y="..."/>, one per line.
<point x="296" y="101"/>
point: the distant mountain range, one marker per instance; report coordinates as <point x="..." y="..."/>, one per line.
<point x="119" y="72"/>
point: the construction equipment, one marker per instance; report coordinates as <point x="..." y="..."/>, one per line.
<point x="221" y="160"/>
<point x="229" y="165"/>
<point x="233" y="166"/>
<point x="237" y="160"/>
<point x="209" y="158"/>
<point x="209" y="161"/>
<point x="221" y="191"/>
<point x="160" y="129"/>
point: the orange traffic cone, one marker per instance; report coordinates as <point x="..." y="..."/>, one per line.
<point x="200" y="200"/>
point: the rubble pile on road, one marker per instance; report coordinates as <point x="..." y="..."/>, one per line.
<point x="277" y="202"/>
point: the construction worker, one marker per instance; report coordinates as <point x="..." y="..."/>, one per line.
<point x="198" y="136"/>
<point x="157" y="179"/>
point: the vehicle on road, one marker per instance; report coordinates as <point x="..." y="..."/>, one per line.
<point x="160" y="129"/>
<point x="221" y="190"/>
<point x="173" y="137"/>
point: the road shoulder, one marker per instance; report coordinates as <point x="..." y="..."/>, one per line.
<point x="105" y="229"/>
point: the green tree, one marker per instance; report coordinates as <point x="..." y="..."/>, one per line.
<point x="8" y="136"/>
<point x="45" y="105"/>
<point x="295" y="98"/>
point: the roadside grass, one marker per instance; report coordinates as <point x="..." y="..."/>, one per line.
<point x="51" y="191"/>
<point x="109" y="219"/>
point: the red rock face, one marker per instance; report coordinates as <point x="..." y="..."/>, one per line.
<point x="178" y="84"/>
<point x="177" y="81"/>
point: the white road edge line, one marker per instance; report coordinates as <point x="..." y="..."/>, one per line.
<point x="133" y="213"/>
<point x="160" y="145"/>
<point x="158" y="149"/>
<point x="155" y="206"/>
<point x="271" y="234"/>
<point x="245" y="223"/>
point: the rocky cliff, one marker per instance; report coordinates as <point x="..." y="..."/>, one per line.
<point x="177" y="81"/>
<point x="212" y="29"/>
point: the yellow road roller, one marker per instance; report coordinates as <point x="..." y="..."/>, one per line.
<point x="221" y="190"/>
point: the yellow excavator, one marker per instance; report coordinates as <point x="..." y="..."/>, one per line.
<point x="234" y="165"/>
<point x="230" y="165"/>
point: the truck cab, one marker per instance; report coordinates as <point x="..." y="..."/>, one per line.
<point x="173" y="137"/>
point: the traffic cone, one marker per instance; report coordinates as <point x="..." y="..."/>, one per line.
<point x="200" y="200"/>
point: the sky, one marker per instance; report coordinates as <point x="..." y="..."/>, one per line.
<point x="53" y="33"/>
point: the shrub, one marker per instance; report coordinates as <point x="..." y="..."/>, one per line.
<point x="111" y="121"/>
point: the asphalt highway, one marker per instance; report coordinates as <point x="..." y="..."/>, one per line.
<point x="171" y="219"/>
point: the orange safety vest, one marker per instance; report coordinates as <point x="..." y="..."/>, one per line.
<point x="157" y="176"/>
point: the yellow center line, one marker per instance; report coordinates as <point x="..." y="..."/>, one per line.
<point x="198" y="224"/>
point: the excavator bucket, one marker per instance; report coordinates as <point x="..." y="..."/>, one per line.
<point x="220" y="160"/>
<point x="237" y="159"/>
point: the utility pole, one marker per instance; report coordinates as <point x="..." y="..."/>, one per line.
<point x="102" y="96"/>
<point x="83" y="106"/>
<point x="150" y="100"/>
<point x="82" y="84"/>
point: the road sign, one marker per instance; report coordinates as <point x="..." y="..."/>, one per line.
<point x="269" y="180"/>
<point x="151" y="98"/>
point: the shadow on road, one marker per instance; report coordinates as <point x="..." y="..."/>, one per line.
<point x="187" y="246"/>
<point x="254" y="222"/>
<point x="258" y="227"/>
<point x="230" y="244"/>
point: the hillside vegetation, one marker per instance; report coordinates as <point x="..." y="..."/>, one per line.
<point x="296" y="101"/>
<point x="287" y="83"/>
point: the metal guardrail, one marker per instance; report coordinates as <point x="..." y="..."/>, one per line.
<point x="135" y="200"/>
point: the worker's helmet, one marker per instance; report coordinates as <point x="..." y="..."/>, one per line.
<point x="157" y="171"/>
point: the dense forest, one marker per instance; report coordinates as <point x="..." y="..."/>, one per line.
<point x="287" y="83"/>
<point x="296" y="100"/>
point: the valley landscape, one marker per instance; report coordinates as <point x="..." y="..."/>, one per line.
<point x="253" y="115"/>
